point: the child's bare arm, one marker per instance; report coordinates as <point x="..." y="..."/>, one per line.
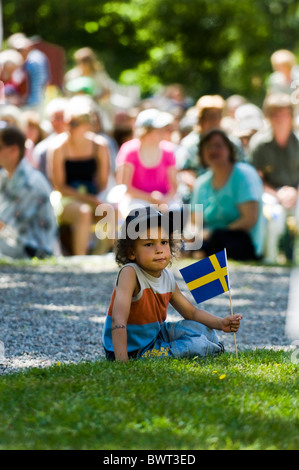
<point x="120" y="313"/>
<point x="190" y="312"/>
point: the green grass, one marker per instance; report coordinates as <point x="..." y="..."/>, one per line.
<point x="220" y="403"/>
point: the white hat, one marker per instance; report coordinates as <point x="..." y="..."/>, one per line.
<point x="12" y="56"/>
<point x="153" y="118"/>
<point x="21" y="43"/>
<point x="248" y="117"/>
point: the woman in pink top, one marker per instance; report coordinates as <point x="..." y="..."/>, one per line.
<point x="146" y="164"/>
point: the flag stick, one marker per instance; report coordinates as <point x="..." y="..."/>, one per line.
<point x="231" y="304"/>
<point x="231" y="309"/>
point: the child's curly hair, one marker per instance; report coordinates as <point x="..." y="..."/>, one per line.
<point x="125" y="244"/>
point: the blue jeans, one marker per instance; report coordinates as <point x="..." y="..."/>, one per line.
<point x="184" y="338"/>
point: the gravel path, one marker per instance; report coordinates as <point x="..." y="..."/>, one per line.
<point x="53" y="313"/>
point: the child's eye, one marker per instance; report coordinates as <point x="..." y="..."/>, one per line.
<point x="165" y="242"/>
<point x="148" y="244"/>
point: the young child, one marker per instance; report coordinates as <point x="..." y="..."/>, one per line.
<point x="136" y="326"/>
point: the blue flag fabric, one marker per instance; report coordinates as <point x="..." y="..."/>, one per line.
<point x="208" y="277"/>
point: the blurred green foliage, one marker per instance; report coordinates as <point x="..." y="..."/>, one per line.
<point x="210" y="46"/>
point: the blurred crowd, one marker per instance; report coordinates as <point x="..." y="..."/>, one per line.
<point x="68" y="149"/>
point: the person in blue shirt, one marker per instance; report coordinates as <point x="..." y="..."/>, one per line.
<point x="28" y="225"/>
<point x="230" y="196"/>
<point x="36" y="67"/>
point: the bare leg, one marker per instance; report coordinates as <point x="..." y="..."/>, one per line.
<point x="79" y="216"/>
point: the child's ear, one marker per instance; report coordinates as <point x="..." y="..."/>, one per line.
<point x="131" y="254"/>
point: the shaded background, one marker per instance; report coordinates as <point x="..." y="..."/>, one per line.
<point x="210" y="46"/>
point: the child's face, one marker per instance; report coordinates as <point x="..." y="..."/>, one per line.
<point x="152" y="251"/>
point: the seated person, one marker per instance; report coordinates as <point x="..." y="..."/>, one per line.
<point x="36" y="67"/>
<point x="146" y="164"/>
<point x="274" y="152"/>
<point x="27" y="222"/>
<point x="11" y="76"/>
<point x="79" y="171"/>
<point x="54" y="113"/>
<point x="285" y="71"/>
<point x="230" y="196"/>
<point x="209" y="116"/>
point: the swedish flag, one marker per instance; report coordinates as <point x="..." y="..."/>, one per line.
<point x="208" y="277"/>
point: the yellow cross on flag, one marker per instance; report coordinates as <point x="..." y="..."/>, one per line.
<point x="208" y="277"/>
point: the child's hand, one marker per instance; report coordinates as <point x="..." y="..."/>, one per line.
<point x="231" y="324"/>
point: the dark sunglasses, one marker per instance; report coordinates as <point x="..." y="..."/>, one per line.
<point x="74" y="123"/>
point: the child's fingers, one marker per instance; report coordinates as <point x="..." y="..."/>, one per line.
<point x="237" y="317"/>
